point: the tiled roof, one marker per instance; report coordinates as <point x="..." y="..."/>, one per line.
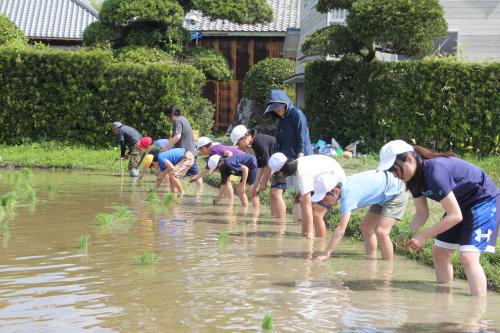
<point x="286" y="14"/>
<point x="52" y="19"/>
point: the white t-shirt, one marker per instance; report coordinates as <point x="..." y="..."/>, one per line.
<point x="312" y="166"/>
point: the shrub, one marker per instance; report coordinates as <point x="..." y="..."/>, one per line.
<point x="266" y="75"/>
<point x="74" y="96"/>
<point x="211" y="62"/>
<point x="98" y="34"/>
<point x="9" y="32"/>
<point x="441" y="103"/>
<point x="125" y="12"/>
<point x="142" y="55"/>
<point x="170" y="39"/>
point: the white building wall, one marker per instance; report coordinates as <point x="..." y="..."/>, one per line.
<point x="478" y="26"/>
<point x="310" y="21"/>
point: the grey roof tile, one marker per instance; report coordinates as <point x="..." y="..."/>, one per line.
<point x="58" y="19"/>
<point x="286" y="14"/>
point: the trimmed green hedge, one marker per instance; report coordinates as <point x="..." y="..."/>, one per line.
<point x="74" y="96"/>
<point x="441" y="103"/>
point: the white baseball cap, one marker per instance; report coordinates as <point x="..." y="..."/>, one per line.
<point x="203" y="141"/>
<point x="324" y="184"/>
<point x="237" y="133"/>
<point x="213" y="161"/>
<point x="389" y="152"/>
<point x="276" y="162"/>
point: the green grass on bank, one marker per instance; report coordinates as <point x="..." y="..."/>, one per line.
<point x="55" y="155"/>
<point x="58" y="155"/>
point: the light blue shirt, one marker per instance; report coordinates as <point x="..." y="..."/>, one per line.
<point x="174" y="156"/>
<point x="368" y="188"/>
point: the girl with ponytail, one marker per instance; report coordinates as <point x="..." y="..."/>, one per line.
<point x="470" y="199"/>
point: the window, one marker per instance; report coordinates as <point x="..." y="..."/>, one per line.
<point x="336" y="16"/>
<point x="448" y="44"/>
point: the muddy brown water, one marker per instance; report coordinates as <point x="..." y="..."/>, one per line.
<point x="48" y="285"/>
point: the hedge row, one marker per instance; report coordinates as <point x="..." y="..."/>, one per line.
<point x="74" y="96"/>
<point x="441" y="103"/>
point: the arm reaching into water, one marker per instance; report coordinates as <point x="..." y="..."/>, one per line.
<point x="168" y="168"/>
<point x="453" y="216"/>
<point x="337" y="235"/>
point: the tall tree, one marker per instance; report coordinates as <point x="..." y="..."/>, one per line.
<point x="159" y="23"/>
<point x="407" y="27"/>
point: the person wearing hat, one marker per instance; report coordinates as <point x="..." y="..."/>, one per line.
<point x="182" y="137"/>
<point x="307" y="169"/>
<point x="469" y="197"/>
<point x="263" y="146"/>
<point x="242" y="165"/>
<point x="129" y="137"/>
<point x="172" y="164"/>
<point x="385" y="194"/>
<point x="292" y="133"/>
<point x="206" y="147"/>
<point x="150" y="161"/>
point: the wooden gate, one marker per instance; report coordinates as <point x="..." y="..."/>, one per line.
<point x="242" y="52"/>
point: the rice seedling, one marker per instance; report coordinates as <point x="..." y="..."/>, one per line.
<point x="22" y="186"/>
<point x="32" y="196"/>
<point x="2" y="213"/>
<point x="147" y="258"/>
<point x="84" y="242"/>
<point x="104" y="219"/>
<point x="9" y="199"/>
<point x="152" y="197"/>
<point x="267" y="321"/>
<point x="51" y="188"/>
<point x="26" y="173"/>
<point x="222" y="238"/>
<point x="120" y="216"/>
<point x="5" y="230"/>
<point x="168" y="198"/>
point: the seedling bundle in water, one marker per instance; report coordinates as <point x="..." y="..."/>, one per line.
<point x="121" y="216"/>
<point x="267" y="321"/>
<point x="5" y="230"/>
<point x="9" y="200"/>
<point x="156" y="204"/>
<point x="21" y="190"/>
<point x="84" y="242"/>
<point x="222" y="238"/>
<point x="147" y="258"/>
<point x="51" y="188"/>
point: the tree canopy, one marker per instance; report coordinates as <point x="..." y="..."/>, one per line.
<point x="10" y="33"/>
<point x="407" y="27"/>
<point x="159" y="23"/>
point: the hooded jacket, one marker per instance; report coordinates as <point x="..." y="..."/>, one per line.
<point x="292" y="133"/>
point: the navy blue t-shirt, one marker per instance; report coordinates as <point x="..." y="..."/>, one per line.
<point x="232" y="166"/>
<point x="469" y="183"/>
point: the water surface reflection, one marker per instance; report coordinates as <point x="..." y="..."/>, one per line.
<point x="48" y="285"/>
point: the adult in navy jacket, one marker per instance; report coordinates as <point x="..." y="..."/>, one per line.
<point x="292" y="134"/>
<point x="292" y="139"/>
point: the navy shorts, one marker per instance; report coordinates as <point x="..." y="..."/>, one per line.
<point x="252" y="175"/>
<point x="279" y="182"/>
<point x="478" y="230"/>
<point x="193" y="171"/>
<point x="323" y="203"/>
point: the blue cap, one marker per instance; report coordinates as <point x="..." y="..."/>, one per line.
<point x="273" y="106"/>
